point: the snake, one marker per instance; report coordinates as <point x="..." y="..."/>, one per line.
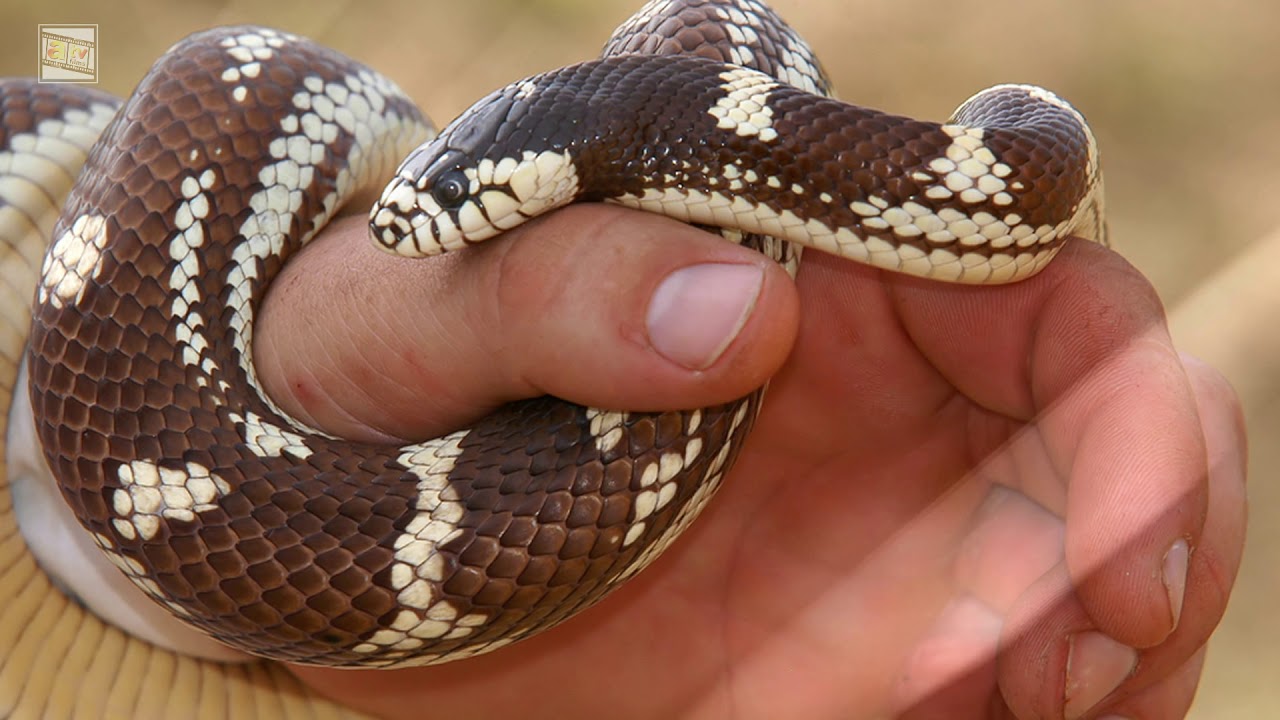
<point x="176" y="207"/>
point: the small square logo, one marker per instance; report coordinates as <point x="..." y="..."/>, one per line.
<point x="68" y="53"/>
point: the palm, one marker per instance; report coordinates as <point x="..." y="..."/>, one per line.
<point x="831" y="550"/>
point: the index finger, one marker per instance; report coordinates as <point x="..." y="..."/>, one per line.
<point x="1087" y="339"/>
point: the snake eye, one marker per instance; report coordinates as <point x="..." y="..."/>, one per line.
<point x="451" y="190"/>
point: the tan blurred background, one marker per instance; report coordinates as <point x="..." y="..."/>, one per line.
<point x="1183" y="96"/>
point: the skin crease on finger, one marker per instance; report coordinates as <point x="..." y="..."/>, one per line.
<point x="897" y="381"/>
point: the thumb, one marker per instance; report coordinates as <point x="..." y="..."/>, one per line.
<point x="599" y="305"/>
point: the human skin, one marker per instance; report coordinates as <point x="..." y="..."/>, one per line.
<point x="958" y="502"/>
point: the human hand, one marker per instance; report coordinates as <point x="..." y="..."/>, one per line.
<point x="945" y="485"/>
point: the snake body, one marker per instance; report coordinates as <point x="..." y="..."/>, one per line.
<point x="241" y="143"/>
<point x="988" y="197"/>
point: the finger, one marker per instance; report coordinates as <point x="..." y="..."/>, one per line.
<point x="1137" y="490"/>
<point x="1053" y="663"/>
<point x="1215" y="561"/>
<point x="1169" y="698"/>
<point x="1153" y="560"/>
<point x="952" y="671"/>
<point x="1055" y="658"/>
<point x="1015" y="349"/>
<point x="1013" y="543"/>
<point x="1082" y="349"/>
<point x="600" y="305"/>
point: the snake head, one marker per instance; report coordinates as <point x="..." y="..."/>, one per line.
<point x="468" y="185"/>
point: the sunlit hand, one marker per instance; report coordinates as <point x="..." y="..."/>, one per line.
<point x="958" y="502"/>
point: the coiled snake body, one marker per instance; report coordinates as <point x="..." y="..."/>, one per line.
<point x="242" y="142"/>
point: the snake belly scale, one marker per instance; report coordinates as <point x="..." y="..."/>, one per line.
<point x="242" y="142"/>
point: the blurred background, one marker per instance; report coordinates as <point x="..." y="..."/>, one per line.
<point x="1183" y="96"/>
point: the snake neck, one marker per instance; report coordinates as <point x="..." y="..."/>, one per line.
<point x="721" y="145"/>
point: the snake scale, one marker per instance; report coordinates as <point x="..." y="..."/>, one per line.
<point x="241" y="143"/>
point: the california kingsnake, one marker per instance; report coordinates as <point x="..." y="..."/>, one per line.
<point x="242" y="142"/>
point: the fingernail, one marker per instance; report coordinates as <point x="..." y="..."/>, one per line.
<point x="1175" y="578"/>
<point x="697" y="311"/>
<point x="1096" y="665"/>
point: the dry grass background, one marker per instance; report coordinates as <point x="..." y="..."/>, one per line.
<point x="1183" y="95"/>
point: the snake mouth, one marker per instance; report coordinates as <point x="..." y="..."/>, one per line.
<point x="389" y="229"/>
<point x="442" y="200"/>
<point x="419" y="211"/>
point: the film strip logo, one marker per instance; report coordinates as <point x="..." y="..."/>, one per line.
<point x="68" y="53"/>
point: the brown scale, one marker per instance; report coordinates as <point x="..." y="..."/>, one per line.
<point x="294" y="563"/>
<point x="876" y="155"/>
<point x="25" y="103"/>
<point x="694" y="27"/>
<point x="630" y="122"/>
<point x="1047" y="153"/>
<point x="118" y="347"/>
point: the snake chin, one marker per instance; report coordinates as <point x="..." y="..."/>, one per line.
<point x="74" y="564"/>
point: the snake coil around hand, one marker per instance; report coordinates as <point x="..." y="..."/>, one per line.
<point x="242" y="142"/>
